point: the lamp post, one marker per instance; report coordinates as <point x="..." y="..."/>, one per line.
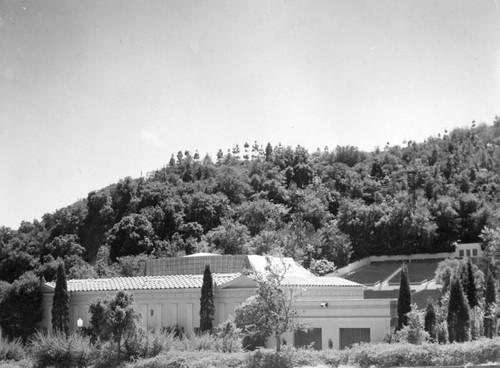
<point x="79" y="324"/>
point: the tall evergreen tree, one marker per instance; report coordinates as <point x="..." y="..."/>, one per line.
<point x="207" y="305"/>
<point x="458" y="314"/>
<point x="60" y="303"/>
<point x="430" y="321"/>
<point x="404" y="298"/>
<point x="469" y="286"/>
<point x="490" y="308"/>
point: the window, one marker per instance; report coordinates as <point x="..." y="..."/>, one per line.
<point x="461" y="252"/>
<point x="468" y="252"/>
<point x="474" y="252"/>
<point x="310" y="337"/>
<point x="349" y="336"/>
<point x="152" y="312"/>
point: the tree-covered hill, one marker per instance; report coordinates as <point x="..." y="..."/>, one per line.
<point x="321" y="207"/>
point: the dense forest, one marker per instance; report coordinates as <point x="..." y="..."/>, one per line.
<point x="323" y="208"/>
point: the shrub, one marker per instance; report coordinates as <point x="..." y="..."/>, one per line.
<point x="268" y="359"/>
<point x="11" y="350"/>
<point x="21" y="307"/>
<point x="176" y="331"/>
<point x="403" y="354"/>
<point x="229" y="337"/>
<point x="106" y="356"/>
<point x="205" y="341"/>
<point x="189" y="359"/>
<point x="414" y="332"/>
<point x="63" y="351"/>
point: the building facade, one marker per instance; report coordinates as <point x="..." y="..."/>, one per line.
<point x="334" y="309"/>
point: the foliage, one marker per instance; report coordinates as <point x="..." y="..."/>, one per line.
<point x="11" y="350"/>
<point x="469" y="286"/>
<point x="133" y="235"/>
<point x="60" y="303"/>
<point x="458" y="314"/>
<point x="476" y="317"/>
<point x="198" y="359"/>
<point x="414" y="331"/>
<point x="321" y="267"/>
<point x="207" y="304"/>
<point x="430" y="322"/>
<point x="404" y="298"/>
<point x="21" y="307"/>
<point x="490" y="308"/>
<point x="254" y="332"/>
<point x="270" y="312"/>
<point x="276" y="359"/>
<point x="408" y="355"/>
<point x="229" y="336"/>
<point x="336" y="205"/>
<point x="144" y="344"/>
<point x="61" y="351"/>
<point x="114" y="319"/>
<point x="491" y="242"/>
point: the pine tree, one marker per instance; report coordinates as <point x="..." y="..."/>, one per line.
<point x="458" y="314"/>
<point x="207" y="305"/>
<point x="404" y="298"/>
<point x="490" y="325"/>
<point x="60" y="304"/>
<point x="430" y="324"/>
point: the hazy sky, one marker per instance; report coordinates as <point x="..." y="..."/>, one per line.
<point x="93" y="91"/>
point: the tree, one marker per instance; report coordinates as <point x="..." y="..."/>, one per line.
<point x="469" y="285"/>
<point x="490" y="308"/>
<point x="414" y="332"/>
<point x="430" y="321"/>
<point x="98" y="221"/>
<point x="207" y="305"/>
<point x="271" y="309"/>
<point x="230" y="237"/>
<point x="133" y="235"/>
<point x="21" y="307"/>
<point x="458" y="314"/>
<point x="404" y="298"/>
<point x="114" y="319"/>
<point x="491" y="243"/>
<point x="60" y="304"/>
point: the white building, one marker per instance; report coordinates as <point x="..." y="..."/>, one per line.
<point x="169" y="294"/>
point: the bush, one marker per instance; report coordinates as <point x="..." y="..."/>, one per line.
<point x="190" y="359"/>
<point x="11" y="350"/>
<point x="106" y="356"/>
<point x="229" y="338"/>
<point x="63" y="351"/>
<point x="269" y="359"/>
<point x="404" y="354"/>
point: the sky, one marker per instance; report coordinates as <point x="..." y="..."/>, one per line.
<point x="93" y="91"/>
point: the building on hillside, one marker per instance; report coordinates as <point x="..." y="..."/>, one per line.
<point x="472" y="250"/>
<point x="381" y="274"/>
<point x="169" y="294"/>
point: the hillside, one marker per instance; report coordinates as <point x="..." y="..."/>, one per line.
<point x="323" y="208"/>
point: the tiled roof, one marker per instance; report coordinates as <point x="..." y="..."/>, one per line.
<point x="146" y="282"/>
<point x="319" y="281"/>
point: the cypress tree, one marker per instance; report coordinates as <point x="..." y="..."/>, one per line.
<point x="207" y="305"/>
<point x="490" y="307"/>
<point x="430" y="321"/>
<point x="469" y="286"/>
<point x="60" y="303"/>
<point x="404" y="298"/>
<point x="458" y="314"/>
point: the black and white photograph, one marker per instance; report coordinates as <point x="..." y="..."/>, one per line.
<point x="249" y="183"/>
